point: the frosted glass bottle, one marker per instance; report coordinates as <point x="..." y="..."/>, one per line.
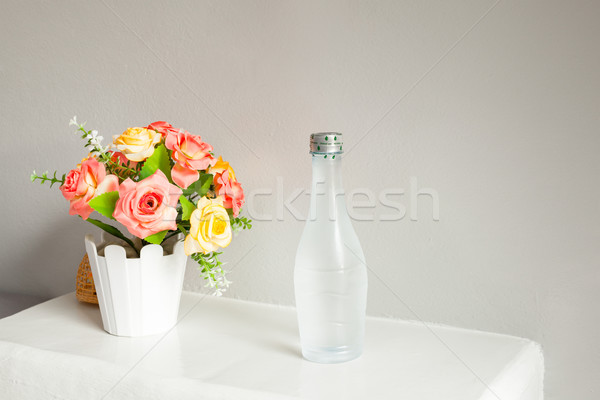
<point x="330" y="276"/>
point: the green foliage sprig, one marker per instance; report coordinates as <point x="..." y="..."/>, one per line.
<point x="240" y="223"/>
<point x="211" y="269"/>
<point x="44" y="178"/>
<point x="123" y="171"/>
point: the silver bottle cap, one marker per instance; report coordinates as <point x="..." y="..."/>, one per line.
<point x="326" y="143"/>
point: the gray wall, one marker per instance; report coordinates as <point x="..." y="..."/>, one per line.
<point x="493" y="105"/>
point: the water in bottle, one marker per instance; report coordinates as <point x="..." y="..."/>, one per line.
<point x="330" y="276"/>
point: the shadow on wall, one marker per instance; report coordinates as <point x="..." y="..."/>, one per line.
<point x="43" y="264"/>
<point x="12" y="303"/>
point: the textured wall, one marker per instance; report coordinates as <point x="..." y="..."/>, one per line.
<point x="495" y="105"/>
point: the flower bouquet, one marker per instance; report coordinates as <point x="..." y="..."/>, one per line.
<point x="158" y="182"/>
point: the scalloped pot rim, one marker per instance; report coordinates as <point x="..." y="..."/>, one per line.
<point x="145" y="249"/>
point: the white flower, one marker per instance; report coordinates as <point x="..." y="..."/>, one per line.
<point x="99" y="149"/>
<point x="94" y="138"/>
<point x="73" y="121"/>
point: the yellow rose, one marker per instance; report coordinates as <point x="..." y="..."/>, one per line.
<point x="137" y="144"/>
<point x="210" y="227"/>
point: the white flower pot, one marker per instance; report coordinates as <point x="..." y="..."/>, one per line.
<point x="137" y="296"/>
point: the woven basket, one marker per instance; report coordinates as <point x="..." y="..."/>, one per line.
<point x="86" y="291"/>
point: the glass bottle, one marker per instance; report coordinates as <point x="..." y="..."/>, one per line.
<point x="330" y="276"/>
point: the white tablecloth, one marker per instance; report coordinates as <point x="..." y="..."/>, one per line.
<point x="230" y="349"/>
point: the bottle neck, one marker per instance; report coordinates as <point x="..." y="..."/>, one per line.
<point x="327" y="192"/>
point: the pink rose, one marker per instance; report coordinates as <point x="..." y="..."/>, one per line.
<point x="191" y="154"/>
<point x="162" y="127"/>
<point x="86" y="182"/>
<point x="147" y="207"/>
<point x="230" y="190"/>
<point x="227" y="186"/>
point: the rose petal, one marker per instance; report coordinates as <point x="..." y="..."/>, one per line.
<point x="184" y="177"/>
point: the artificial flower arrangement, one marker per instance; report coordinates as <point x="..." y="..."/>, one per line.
<point x="158" y="181"/>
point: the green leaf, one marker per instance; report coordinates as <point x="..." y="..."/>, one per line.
<point x="157" y="238"/>
<point x="112" y="230"/>
<point x="105" y="203"/>
<point x="160" y="159"/>
<point x="202" y="185"/>
<point x="187" y="208"/>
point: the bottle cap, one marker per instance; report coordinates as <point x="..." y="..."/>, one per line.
<point x="326" y="143"/>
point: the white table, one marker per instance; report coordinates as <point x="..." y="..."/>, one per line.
<point x="230" y="349"/>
